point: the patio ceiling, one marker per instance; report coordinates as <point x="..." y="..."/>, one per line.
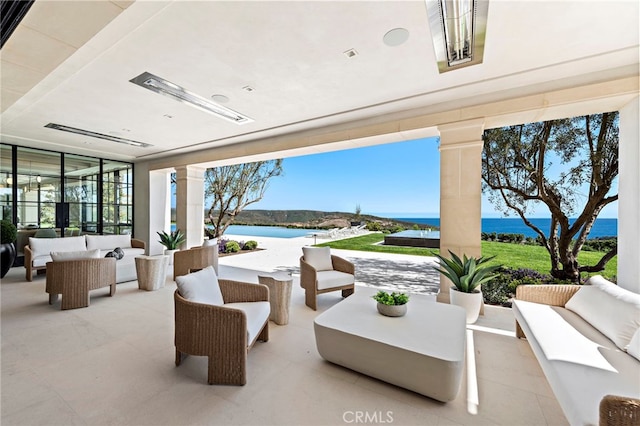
<point x="70" y="63"/>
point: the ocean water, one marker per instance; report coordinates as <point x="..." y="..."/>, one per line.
<point x="601" y="227"/>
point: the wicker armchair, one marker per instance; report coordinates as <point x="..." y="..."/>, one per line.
<point x="219" y="332"/>
<point x="547" y="294"/>
<point x="73" y="279"/>
<point x="310" y="282"/>
<point x="619" y="411"/>
<point x="194" y="259"/>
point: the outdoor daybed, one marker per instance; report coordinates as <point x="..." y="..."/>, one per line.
<point x="38" y="252"/>
<point x="587" y="341"/>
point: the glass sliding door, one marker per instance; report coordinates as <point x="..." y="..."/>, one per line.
<point x="117" y="197"/>
<point x="6" y="182"/>
<point x="81" y="200"/>
<point x="39" y="188"/>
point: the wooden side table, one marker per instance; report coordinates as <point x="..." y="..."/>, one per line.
<point x="151" y="271"/>
<point x="279" y="295"/>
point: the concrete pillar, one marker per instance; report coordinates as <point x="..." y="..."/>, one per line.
<point x="629" y="197"/>
<point x="190" y="204"/>
<point x="159" y="209"/>
<point x="460" y="192"/>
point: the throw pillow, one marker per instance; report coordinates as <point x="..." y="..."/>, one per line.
<point x="634" y="346"/>
<point x="318" y="257"/>
<point x="119" y="253"/>
<point x="57" y="256"/>
<point x="201" y="287"/>
<point x="612" y="310"/>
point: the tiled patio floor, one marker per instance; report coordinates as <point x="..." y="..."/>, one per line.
<point x="113" y="363"/>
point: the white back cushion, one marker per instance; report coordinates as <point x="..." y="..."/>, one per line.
<point x="612" y="310"/>
<point x="57" y="256"/>
<point x="44" y="246"/>
<point x="318" y="257"/>
<point x="201" y="287"/>
<point x="108" y="242"/>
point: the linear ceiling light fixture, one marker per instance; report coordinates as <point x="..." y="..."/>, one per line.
<point x="458" y="28"/>
<point x="96" y="135"/>
<point x="172" y="90"/>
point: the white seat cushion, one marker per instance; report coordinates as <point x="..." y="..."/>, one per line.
<point x="39" y="261"/>
<point x="330" y="279"/>
<point x="57" y="256"/>
<point x="318" y="257"/>
<point x="257" y="314"/>
<point x="201" y="287"/>
<point x="612" y="310"/>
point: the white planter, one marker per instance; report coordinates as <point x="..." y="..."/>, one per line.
<point x="471" y="302"/>
<point x="170" y="254"/>
<point x="392" y="310"/>
<point x="210" y="242"/>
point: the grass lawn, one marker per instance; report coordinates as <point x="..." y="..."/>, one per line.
<point x="514" y="256"/>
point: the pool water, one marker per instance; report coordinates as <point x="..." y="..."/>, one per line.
<point x="412" y="233"/>
<point x="269" y="231"/>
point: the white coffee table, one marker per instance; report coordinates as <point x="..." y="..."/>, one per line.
<point x="422" y="351"/>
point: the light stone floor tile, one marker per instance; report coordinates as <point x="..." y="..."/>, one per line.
<point x="113" y="362"/>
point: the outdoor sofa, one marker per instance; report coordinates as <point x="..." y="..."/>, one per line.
<point x="587" y="341"/>
<point x="38" y="253"/>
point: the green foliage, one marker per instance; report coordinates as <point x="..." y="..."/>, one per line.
<point x="373" y="226"/>
<point x="391" y="299"/>
<point x="173" y="240"/>
<point x="250" y="245"/>
<point x="232" y="247"/>
<point x="8" y="232"/>
<point x="467" y="273"/>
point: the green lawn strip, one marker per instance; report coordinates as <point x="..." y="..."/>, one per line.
<point x="513" y="256"/>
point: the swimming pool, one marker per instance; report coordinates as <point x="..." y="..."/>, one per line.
<point x="269" y="231"/>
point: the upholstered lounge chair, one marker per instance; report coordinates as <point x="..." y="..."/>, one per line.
<point x="194" y="259"/>
<point x="73" y="279"/>
<point x="322" y="272"/>
<point x="222" y="320"/>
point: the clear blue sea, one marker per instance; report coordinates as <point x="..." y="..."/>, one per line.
<point x="601" y="228"/>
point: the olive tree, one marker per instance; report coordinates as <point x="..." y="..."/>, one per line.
<point x="519" y="174"/>
<point x="232" y="188"/>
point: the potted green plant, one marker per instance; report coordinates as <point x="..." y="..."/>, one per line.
<point x="391" y="304"/>
<point x="172" y="242"/>
<point x="8" y="235"/>
<point x="467" y="275"/>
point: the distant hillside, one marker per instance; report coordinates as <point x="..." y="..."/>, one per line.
<point x="312" y="219"/>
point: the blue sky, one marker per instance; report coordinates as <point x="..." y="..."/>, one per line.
<point x="393" y="180"/>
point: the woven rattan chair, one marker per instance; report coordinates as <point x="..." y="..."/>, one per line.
<point x="309" y="280"/>
<point x="219" y="332"/>
<point x="619" y="411"/>
<point x="73" y="279"/>
<point x="194" y="259"/>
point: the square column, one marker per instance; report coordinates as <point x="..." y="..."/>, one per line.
<point x="460" y="192"/>
<point x="629" y="197"/>
<point x="190" y="204"/>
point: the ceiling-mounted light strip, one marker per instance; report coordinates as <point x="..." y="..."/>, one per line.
<point x="96" y="135"/>
<point x="458" y="28"/>
<point x="167" y="88"/>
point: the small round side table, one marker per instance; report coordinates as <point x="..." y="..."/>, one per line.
<point x="151" y="271"/>
<point x="279" y="295"/>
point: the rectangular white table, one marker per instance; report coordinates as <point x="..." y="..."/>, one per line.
<point x="422" y="351"/>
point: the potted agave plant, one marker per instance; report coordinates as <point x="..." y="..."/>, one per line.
<point x="391" y="305"/>
<point x="467" y="274"/>
<point x="171" y="241"/>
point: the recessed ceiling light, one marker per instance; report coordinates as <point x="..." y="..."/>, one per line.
<point x="172" y="90"/>
<point x="396" y="37"/>
<point x="221" y="99"/>
<point x="96" y="135"/>
<point x="350" y="53"/>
